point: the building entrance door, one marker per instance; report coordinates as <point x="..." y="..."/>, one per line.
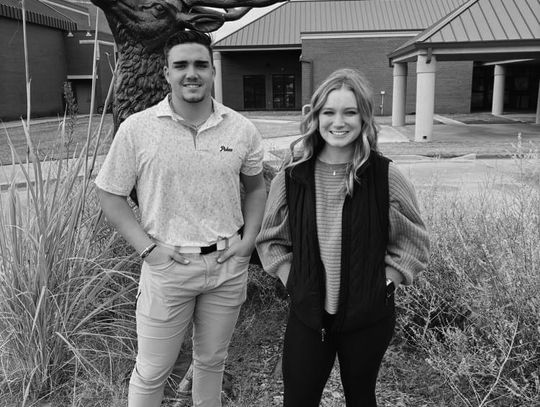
<point x="254" y="92"/>
<point x="283" y="92"/>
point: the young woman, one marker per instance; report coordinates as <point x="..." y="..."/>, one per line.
<point x="341" y="230"/>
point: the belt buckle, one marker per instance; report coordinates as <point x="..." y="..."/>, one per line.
<point x="222" y="239"/>
<point x="214" y="247"/>
<point x="209" y="249"/>
<point x="226" y="243"/>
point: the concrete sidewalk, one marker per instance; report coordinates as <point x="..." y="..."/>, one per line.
<point x="445" y="131"/>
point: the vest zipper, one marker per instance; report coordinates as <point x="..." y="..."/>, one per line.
<point x="323" y="334"/>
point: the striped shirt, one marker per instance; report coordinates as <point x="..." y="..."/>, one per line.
<point x="329" y="199"/>
<point x="408" y="243"/>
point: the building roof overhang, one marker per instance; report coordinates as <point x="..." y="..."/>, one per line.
<point x="289" y="47"/>
<point x="471" y="51"/>
<point x="317" y="35"/>
<point x="36" y="13"/>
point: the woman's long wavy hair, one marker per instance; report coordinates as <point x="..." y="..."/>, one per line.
<point x="311" y="138"/>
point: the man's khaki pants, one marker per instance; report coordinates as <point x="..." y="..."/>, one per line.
<point x="170" y="296"/>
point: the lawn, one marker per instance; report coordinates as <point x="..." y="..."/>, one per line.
<point x="46" y="138"/>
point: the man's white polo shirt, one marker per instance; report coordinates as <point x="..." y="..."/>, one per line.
<point x="188" y="181"/>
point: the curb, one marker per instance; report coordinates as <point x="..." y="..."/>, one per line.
<point x="449" y="156"/>
<point x="18" y="185"/>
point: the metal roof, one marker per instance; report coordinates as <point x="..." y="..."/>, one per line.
<point x="492" y="20"/>
<point x="481" y="22"/>
<point x="91" y="10"/>
<point x="36" y="13"/>
<point x="75" y="12"/>
<point x="283" y="26"/>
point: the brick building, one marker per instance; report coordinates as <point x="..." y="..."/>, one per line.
<point x="502" y="39"/>
<point x="276" y="61"/>
<point x="60" y="49"/>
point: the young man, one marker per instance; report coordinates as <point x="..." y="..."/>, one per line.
<point x="186" y="156"/>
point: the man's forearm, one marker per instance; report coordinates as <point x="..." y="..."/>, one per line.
<point x="119" y="214"/>
<point x="253" y="214"/>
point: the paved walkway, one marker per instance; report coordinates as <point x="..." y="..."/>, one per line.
<point x="444" y="130"/>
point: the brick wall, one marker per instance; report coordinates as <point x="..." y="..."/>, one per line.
<point x="453" y="86"/>
<point x="453" y="82"/>
<point x="236" y="65"/>
<point x="47" y="65"/>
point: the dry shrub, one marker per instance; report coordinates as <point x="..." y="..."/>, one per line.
<point x="475" y="313"/>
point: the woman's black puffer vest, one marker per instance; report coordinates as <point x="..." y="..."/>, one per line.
<point x="362" y="297"/>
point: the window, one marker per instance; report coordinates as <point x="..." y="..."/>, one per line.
<point x="254" y="92"/>
<point x="283" y="91"/>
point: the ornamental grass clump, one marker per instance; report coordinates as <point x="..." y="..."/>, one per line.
<point x="65" y="283"/>
<point x="475" y="313"/>
<point x="66" y="286"/>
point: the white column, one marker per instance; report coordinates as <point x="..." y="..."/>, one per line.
<point x="538" y="105"/>
<point x="425" y="97"/>
<point x="497" y="103"/>
<point x="399" y="95"/>
<point x="218" y="82"/>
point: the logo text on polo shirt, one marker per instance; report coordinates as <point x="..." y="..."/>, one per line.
<point x="223" y="148"/>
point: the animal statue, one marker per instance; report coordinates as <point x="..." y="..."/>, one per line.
<point x="140" y="29"/>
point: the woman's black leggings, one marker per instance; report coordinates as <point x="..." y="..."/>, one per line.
<point x="308" y="361"/>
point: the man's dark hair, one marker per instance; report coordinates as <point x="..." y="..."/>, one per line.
<point x="189" y="37"/>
